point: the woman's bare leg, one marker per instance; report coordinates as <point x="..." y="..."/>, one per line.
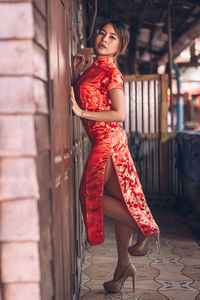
<point x="115" y="208"/>
<point x="123" y="234"/>
<point x="114" y="205"/>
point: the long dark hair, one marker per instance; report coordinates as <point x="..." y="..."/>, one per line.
<point x="122" y="31"/>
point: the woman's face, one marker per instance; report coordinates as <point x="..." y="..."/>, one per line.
<point x="107" y="41"/>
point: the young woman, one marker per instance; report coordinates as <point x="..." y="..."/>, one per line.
<point x="110" y="184"/>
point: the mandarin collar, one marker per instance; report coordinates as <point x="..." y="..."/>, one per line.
<point x="105" y="61"/>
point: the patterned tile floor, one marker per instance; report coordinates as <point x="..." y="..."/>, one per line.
<point x="172" y="274"/>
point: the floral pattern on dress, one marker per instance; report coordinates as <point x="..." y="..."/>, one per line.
<point x="108" y="140"/>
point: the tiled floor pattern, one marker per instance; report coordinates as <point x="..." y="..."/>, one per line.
<point x="172" y="274"/>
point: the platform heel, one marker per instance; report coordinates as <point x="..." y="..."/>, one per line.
<point x="158" y="242"/>
<point x="113" y="286"/>
<point x="141" y="248"/>
<point x="133" y="282"/>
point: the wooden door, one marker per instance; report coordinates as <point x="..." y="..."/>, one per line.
<point x="63" y="227"/>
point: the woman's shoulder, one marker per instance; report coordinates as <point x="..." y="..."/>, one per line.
<point x="114" y="70"/>
<point x="115" y="79"/>
<point x="114" y="73"/>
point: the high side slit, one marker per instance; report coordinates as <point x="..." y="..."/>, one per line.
<point x="108" y="140"/>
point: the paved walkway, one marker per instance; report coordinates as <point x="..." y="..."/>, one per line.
<point x="172" y="274"/>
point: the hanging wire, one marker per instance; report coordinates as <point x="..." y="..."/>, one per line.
<point x="93" y="22"/>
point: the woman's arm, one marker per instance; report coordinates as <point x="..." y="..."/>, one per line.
<point x="116" y="114"/>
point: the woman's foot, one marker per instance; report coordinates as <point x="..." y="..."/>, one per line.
<point x="115" y="285"/>
<point x="140" y="237"/>
<point x="120" y="268"/>
<point x="141" y="247"/>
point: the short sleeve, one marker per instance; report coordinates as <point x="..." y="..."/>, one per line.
<point x="115" y="80"/>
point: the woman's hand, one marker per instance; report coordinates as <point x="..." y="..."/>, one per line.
<point x="78" y="63"/>
<point x="75" y="107"/>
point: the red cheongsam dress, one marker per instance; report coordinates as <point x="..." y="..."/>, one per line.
<point x="108" y="140"/>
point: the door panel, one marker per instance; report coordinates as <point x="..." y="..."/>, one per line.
<point x="61" y="144"/>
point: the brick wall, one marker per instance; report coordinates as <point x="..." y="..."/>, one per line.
<point x="19" y="190"/>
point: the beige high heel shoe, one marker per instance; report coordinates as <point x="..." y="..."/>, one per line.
<point x="141" y="248"/>
<point x="115" y="286"/>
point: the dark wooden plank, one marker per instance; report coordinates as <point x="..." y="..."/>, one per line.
<point x="150" y="136"/>
<point x="67" y="160"/>
<point x="61" y="142"/>
<point x="45" y="245"/>
<point x="61" y="26"/>
<point x="39" y="62"/>
<point x="68" y="236"/>
<point x="164" y="168"/>
<point x="44" y="170"/>
<point x="40" y="96"/>
<point x="42" y="132"/>
<point x="40" y="28"/>
<point x="141" y="77"/>
<point x="57" y="244"/>
<point x="156" y="162"/>
<point x="164" y="103"/>
<point x="41" y="5"/>
<point x="45" y="217"/>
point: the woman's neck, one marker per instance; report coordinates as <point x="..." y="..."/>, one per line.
<point x="104" y="56"/>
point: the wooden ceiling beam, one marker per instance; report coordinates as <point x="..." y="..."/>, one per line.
<point x="189" y="2"/>
<point x="188" y="64"/>
<point x="182" y="42"/>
